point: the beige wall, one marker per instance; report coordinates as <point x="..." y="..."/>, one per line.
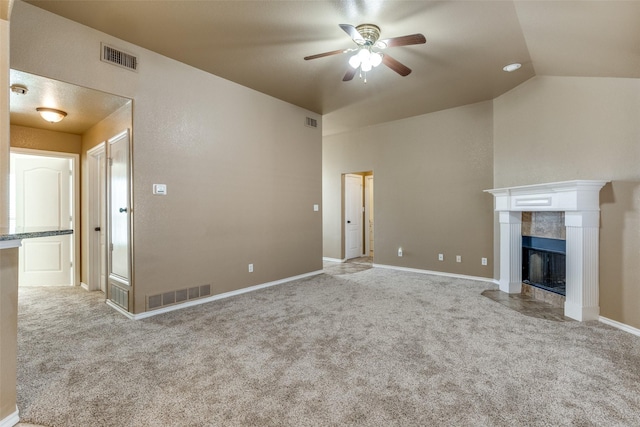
<point x="8" y="330"/>
<point x="4" y="117"/>
<point x="429" y="173"/>
<point x="563" y="128"/>
<point x="42" y="139"/>
<point x="242" y="170"/>
<point x="8" y="257"/>
<point x="117" y="121"/>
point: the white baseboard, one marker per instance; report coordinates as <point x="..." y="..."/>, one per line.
<point x="622" y="326"/>
<point x="437" y="273"/>
<point x="333" y="259"/>
<point x="11" y="420"/>
<point x="191" y="303"/>
<point x="119" y="309"/>
<point x="84" y="286"/>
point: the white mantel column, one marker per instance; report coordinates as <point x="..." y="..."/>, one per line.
<point x="510" y="252"/>
<point x="583" y="229"/>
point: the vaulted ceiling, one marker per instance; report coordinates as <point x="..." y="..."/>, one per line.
<point x="261" y="45"/>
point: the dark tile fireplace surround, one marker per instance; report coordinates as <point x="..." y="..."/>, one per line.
<point x="544" y="252"/>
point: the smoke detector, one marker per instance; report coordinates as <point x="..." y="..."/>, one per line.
<point x="19" y="89"/>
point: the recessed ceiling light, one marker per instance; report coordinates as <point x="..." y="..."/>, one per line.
<point x="512" y="67"/>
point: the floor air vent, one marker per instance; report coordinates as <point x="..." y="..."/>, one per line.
<point x="117" y="57"/>
<point x="312" y="123"/>
<point x="176" y="297"/>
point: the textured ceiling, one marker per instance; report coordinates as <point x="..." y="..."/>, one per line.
<point x="84" y="107"/>
<point x="260" y="44"/>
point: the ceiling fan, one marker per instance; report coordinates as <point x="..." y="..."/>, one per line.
<point x="368" y="54"/>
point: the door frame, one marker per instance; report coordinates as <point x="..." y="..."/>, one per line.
<point x="368" y="207"/>
<point x="345" y="215"/>
<point x="96" y="208"/>
<point x="75" y="196"/>
<point x="128" y="282"/>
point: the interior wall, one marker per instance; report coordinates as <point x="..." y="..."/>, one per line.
<point x="242" y="170"/>
<point x="43" y="139"/>
<point x="564" y="128"/>
<point x="102" y="131"/>
<point x="5" y="142"/>
<point x="429" y="171"/>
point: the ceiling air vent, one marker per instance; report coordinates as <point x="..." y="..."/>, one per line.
<point x="117" y="57"/>
<point x="312" y="123"/>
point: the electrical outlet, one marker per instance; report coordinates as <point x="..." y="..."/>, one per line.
<point x="440" y="257"/>
<point x="399" y="251"/>
<point x="250" y="268"/>
<point x="458" y="258"/>
<point x="484" y="261"/>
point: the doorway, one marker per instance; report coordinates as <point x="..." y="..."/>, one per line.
<point x="44" y="192"/>
<point x="358" y="215"/>
<point x="95" y="117"/>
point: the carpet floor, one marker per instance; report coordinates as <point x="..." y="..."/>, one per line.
<point x="374" y="348"/>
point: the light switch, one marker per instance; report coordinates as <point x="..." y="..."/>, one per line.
<point x="316" y="208"/>
<point x="160" y="189"/>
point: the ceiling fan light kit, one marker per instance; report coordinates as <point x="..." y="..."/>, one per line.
<point x="366" y="58"/>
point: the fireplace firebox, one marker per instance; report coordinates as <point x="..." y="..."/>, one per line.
<point x="544" y="263"/>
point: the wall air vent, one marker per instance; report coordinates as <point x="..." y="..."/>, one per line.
<point x="312" y="123"/>
<point x="117" y="57"/>
<point x="119" y="296"/>
<point x="176" y="297"/>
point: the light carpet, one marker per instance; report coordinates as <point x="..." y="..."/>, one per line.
<point x="374" y="348"/>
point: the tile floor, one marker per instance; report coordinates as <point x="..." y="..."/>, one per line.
<point x="349" y="267"/>
<point x="528" y="305"/>
<point x="525" y="303"/>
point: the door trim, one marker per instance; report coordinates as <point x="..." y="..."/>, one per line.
<point x="125" y="284"/>
<point x="368" y="205"/>
<point x="94" y="258"/>
<point x="75" y="240"/>
<point x="345" y="220"/>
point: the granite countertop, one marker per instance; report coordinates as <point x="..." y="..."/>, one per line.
<point x="18" y="233"/>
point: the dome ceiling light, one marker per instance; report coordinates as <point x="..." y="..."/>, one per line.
<point x="51" y="114"/>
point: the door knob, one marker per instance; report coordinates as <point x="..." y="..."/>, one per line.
<point x="123" y="210"/>
<point x="348" y="222"/>
<point x="97" y="229"/>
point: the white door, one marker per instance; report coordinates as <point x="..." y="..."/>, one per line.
<point x="368" y="214"/>
<point x="119" y="220"/>
<point x="353" y="216"/>
<point x="96" y="229"/>
<point x="43" y="199"/>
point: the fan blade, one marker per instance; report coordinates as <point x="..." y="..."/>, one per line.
<point x="322" y="55"/>
<point x="353" y="33"/>
<point x="349" y="75"/>
<point x="396" y="66"/>
<point x="403" y="41"/>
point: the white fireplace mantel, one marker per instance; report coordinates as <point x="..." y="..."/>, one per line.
<point x="580" y="201"/>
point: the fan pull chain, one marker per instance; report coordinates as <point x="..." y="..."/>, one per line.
<point x="365" y="76"/>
